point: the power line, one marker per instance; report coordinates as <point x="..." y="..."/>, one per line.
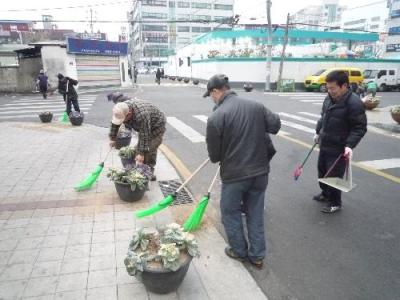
<point x="65" y="7"/>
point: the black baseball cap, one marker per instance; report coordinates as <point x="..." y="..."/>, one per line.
<point x="216" y="82"/>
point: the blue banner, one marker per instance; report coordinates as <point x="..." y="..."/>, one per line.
<point x="96" y="47"/>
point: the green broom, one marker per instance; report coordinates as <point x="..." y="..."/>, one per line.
<point x="167" y="201"/>
<point x="64" y="118"/>
<point x="194" y="220"/>
<point x="91" y="179"/>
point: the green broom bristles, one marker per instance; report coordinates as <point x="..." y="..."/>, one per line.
<point x="64" y="118"/>
<point x="88" y="181"/>
<point x="167" y="201"/>
<point x="194" y="220"/>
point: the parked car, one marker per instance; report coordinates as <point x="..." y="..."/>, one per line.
<point x="318" y="80"/>
<point x="385" y="79"/>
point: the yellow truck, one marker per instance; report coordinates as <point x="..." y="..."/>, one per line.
<point x="318" y="80"/>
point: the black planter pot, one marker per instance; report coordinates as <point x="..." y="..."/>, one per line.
<point x="186" y="80"/>
<point x="195" y="82"/>
<point x="46" y="118"/>
<point x="76" y="119"/>
<point x="125" y="193"/>
<point x="162" y="281"/>
<point x="128" y="163"/>
<point x="248" y="87"/>
<point x="172" y="78"/>
<point x="122" y="142"/>
<point x="179" y="78"/>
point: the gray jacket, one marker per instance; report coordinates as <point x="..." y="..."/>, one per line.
<point x="237" y="137"/>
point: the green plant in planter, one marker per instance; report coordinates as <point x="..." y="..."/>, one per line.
<point x="133" y="177"/>
<point x="395" y="109"/>
<point x="126" y="152"/>
<point x="164" y="247"/>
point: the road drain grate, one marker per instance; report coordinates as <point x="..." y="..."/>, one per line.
<point x="170" y="186"/>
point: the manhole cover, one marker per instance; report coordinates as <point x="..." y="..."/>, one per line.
<point x="170" y="186"/>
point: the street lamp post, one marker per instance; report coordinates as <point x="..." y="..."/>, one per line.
<point x="269" y="48"/>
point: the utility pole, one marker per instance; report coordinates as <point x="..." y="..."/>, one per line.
<point x="285" y="42"/>
<point x="91" y="20"/>
<point x="269" y="48"/>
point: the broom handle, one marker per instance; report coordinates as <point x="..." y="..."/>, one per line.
<point x="105" y="158"/>
<point x="192" y="175"/>
<point x="333" y="165"/>
<point x="212" y="183"/>
<point x="308" y="155"/>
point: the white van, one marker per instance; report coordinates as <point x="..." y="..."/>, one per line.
<point x="385" y="79"/>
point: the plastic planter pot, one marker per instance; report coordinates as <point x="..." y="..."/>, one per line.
<point x="162" y="281"/>
<point x="396" y="117"/>
<point x="179" y="78"/>
<point x="76" y="119"/>
<point x="186" y="80"/>
<point x="248" y="87"/>
<point x="195" y="82"/>
<point x="125" y="192"/>
<point x="172" y="78"/>
<point x="370" y="105"/>
<point x="122" y="142"/>
<point x="46" y="117"/>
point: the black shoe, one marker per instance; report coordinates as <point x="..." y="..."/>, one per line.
<point x="229" y="252"/>
<point x="259" y="264"/>
<point x="331" y="208"/>
<point x="320" y="198"/>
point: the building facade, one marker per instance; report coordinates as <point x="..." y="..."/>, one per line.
<point x="392" y="40"/>
<point x="370" y="17"/>
<point x="329" y="13"/>
<point x="159" y="27"/>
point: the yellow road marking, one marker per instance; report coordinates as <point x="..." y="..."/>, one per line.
<point x="175" y="161"/>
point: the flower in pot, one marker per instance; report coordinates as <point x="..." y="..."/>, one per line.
<point x="395" y="112"/>
<point x="130" y="184"/>
<point x="160" y="258"/>
<point x="248" y="87"/>
<point x="370" y="102"/>
<point x="126" y="154"/>
<point x="46" y="116"/>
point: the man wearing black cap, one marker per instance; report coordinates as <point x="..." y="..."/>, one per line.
<point x="238" y="138"/>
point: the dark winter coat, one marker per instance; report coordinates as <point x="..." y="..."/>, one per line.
<point x="43" y="81"/>
<point x="237" y="137"/>
<point x="342" y="123"/>
<point x="66" y="87"/>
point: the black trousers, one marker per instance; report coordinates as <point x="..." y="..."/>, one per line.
<point x="325" y="162"/>
<point x="73" y="102"/>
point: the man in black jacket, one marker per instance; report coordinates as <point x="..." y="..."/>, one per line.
<point x="238" y="139"/>
<point x="66" y="87"/>
<point x="342" y="125"/>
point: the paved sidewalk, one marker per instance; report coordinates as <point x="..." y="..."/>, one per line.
<point x="56" y="243"/>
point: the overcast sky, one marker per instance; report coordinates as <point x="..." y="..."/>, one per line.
<point x="117" y="9"/>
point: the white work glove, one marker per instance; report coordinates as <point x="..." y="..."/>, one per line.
<point x="348" y="152"/>
<point x="316" y="138"/>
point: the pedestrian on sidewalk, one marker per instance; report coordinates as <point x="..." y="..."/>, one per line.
<point x="341" y="127"/>
<point x="238" y="139"/>
<point x="66" y="87"/>
<point x="135" y="74"/>
<point x="148" y="121"/>
<point x="43" y="83"/>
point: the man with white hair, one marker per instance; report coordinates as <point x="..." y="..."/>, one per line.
<point x="148" y="121"/>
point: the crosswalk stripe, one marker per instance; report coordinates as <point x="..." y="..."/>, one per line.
<point x="310" y="114"/>
<point x="186" y="130"/>
<point x="44" y="103"/>
<point x="311" y="101"/>
<point x="39" y="110"/>
<point x="202" y="118"/>
<point x="294" y="117"/>
<point x="297" y="126"/>
<point x="319" y="104"/>
<point x="48" y="100"/>
<point x="382" y="164"/>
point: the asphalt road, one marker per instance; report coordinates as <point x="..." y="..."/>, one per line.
<point x="353" y="254"/>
